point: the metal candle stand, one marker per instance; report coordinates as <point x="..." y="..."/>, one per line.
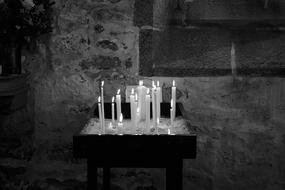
<point x="135" y="151"/>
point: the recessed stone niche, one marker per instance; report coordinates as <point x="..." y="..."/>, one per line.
<point x="211" y="38"/>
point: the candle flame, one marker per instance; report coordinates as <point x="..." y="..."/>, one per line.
<point x="138" y="109"/>
<point x="141" y="82"/>
<point x="173" y="83"/>
<point x="99" y="99"/>
<point x="136" y="97"/>
<point x="118" y="92"/>
<point x="133" y="91"/>
<point x="121" y="118"/>
<point x="113" y="99"/>
<point x="102" y="83"/>
<point x="157" y="120"/>
<point x="147" y="91"/>
<point x="168" y="132"/>
<point x="157" y="83"/>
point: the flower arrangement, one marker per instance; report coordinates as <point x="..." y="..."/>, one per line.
<point x="24" y="20"/>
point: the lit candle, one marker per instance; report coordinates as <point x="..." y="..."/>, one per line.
<point x="103" y="112"/>
<point x="113" y="110"/>
<point x="135" y="111"/>
<point x="158" y="100"/>
<point x="153" y="99"/>
<point x="147" y="107"/>
<point x="118" y="104"/>
<point x="141" y="100"/>
<point x="171" y="113"/>
<point x="100" y="113"/>
<point x="137" y="118"/>
<point x="120" y="123"/>
<point x="132" y="102"/>
<point x="174" y="98"/>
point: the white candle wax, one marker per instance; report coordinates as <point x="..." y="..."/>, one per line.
<point x="102" y="104"/>
<point x="174" y="98"/>
<point x="147" y="107"/>
<point x="132" y="103"/>
<point x="118" y="104"/>
<point x="141" y="100"/>
<point x="100" y="114"/>
<point x="158" y="100"/>
<point x="153" y="98"/>
<point x="135" y="111"/>
<point x="113" y="110"/>
<point x="171" y="115"/>
<point x="120" y="124"/>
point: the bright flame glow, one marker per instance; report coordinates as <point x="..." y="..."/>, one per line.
<point x="133" y="91"/>
<point x="147" y="91"/>
<point x="138" y="109"/>
<point x="99" y="99"/>
<point x="118" y="92"/>
<point x="173" y="83"/>
<point x="102" y="83"/>
<point x="141" y="82"/>
<point x="168" y="132"/>
<point x="157" y="120"/>
<point x="157" y="83"/>
<point x="113" y="99"/>
<point x="121" y="118"/>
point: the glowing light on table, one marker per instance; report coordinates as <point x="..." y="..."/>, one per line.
<point x="118" y="104"/>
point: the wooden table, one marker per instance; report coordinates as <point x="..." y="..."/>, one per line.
<point x="135" y="151"/>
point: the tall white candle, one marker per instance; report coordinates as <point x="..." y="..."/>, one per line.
<point x="174" y="98"/>
<point x="141" y="100"/>
<point x="147" y="107"/>
<point x="120" y="124"/>
<point x="103" y="110"/>
<point x="154" y="111"/>
<point x="113" y="110"/>
<point x="118" y="104"/>
<point x="171" y="113"/>
<point x="158" y="100"/>
<point x="100" y="114"/>
<point x="132" y="104"/>
<point x="135" y="111"/>
<point x="159" y="90"/>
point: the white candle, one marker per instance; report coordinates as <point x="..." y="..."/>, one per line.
<point x="158" y="100"/>
<point x="103" y="110"/>
<point x="174" y="98"/>
<point x="135" y="111"/>
<point x="118" y="104"/>
<point x="113" y="110"/>
<point x="100" y="114"/>
<point x="120" y="123"/>
<point x="171" y="113"/>
<point x="132" y="104"/>
<point x="154" y="112"/>
<point x="147" y="107"/>
<point x="141" y="100"/>
<point x="159" y="90"/>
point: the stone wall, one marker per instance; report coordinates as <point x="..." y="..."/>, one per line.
<point x="239" y="121"/>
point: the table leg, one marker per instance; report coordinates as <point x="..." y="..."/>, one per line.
<point x="174" y="175"/>
<point x="91" y="175"/>
<point x="106" y="178"/>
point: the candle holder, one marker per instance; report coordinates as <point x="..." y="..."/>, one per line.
<point x="134" y="150"/>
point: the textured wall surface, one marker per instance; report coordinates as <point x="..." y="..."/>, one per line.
<point x="239" y="122"/>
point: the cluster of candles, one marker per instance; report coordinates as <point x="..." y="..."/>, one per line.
<point x="140" y="106"/>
